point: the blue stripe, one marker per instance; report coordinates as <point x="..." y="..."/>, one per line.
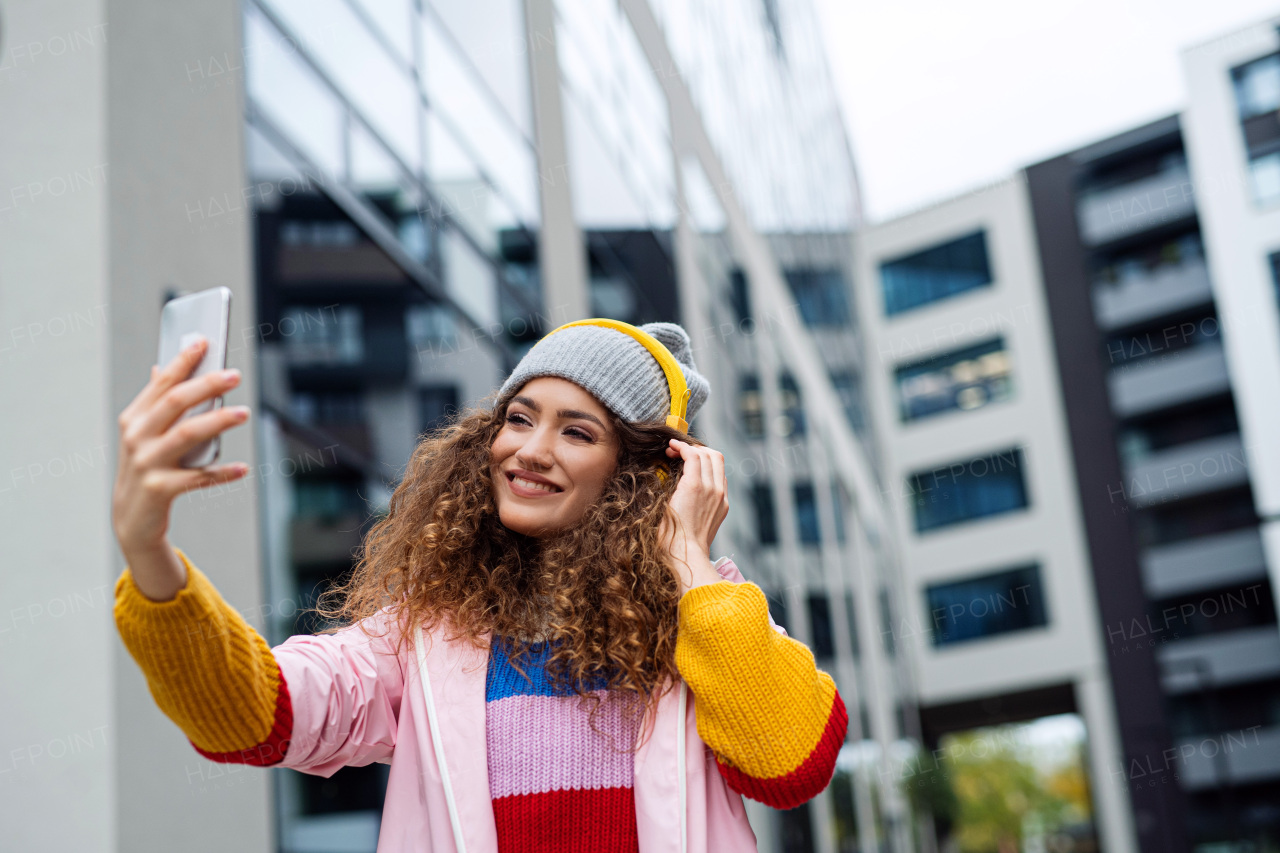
<point x="503" y="680"/>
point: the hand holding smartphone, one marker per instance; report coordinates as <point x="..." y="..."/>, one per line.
<point x="206" y="313"/>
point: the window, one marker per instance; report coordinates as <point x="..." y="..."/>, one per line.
<point x="937" y="273"/>
<point x="968" y="490"/>
<point x="807" y="528"/>
<point x="1257" y="86"/>
<point x="986" y="605"/>
<point x="740" y="297"/>
<point x="751" y="405"/>
<point x="1157" y="340"/>
<point x="327" y="499"/>
<point x="430" y="326"/>
<point x="821" y="295"/>
<point x="766" y="521"/>
<point x="824" y="646"/>
<point x="1193" y="517"/>
<point x="327" y="408"/>
<point x="329" y="334"/>
<point x="436" y="403"/>
<point x="1214" y="611"/>
<point x="793" y="424"/>
<point x="1139" y="438"/>
<point x="1140" y="265"/>
<point x="967" y="378"/>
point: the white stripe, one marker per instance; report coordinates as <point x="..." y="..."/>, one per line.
<point x="684" y="829"/>
<point x="438" y="746"/>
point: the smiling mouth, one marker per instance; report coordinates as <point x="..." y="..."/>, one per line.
<point x="532" y="486"/>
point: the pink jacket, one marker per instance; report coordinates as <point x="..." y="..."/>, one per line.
<point x="423" y="712"/>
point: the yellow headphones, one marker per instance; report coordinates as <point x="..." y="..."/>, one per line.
<point x="670" y="367"/>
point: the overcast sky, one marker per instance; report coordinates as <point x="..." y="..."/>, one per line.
<point x="942" y="96"/>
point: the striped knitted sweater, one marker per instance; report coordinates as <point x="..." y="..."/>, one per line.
<point x="773" y="721"/>
<point x="557" y="781"/>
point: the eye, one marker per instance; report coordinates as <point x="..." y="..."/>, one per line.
<point x="511" y="418"/>
<point x="580" y="433"/>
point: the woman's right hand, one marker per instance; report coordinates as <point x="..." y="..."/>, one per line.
<point x="152" y="442"/>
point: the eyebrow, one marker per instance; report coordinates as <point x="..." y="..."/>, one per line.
<point x="563" y="413"/>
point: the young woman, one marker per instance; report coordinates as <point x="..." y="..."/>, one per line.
<point x="536" y="639"/>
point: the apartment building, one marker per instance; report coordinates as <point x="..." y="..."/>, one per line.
<point x="998" y="618"/>
<point x="1156" y="246"/>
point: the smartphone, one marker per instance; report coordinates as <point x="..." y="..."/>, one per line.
<point x="207" y="313"/>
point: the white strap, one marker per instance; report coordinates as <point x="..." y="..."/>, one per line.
<point x="683" y="772"/>
<point x="438" y="746"/>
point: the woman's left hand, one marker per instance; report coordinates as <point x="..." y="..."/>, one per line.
<point x="700" y="504"/>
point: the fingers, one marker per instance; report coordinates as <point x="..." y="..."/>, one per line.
<point x="163" y="412"/>
<point x="165" y="377"/>
<point x="703" y="465"/>
<point x="168" y="483"/>
<point x="173" y="445"/>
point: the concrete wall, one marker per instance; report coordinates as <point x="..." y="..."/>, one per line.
<point x="121" y="131"/>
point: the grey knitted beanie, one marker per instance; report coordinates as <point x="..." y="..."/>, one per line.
<point x="615" y="368"/>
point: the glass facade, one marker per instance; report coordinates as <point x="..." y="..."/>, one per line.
<point x="397" y="263"/>
<point x="821" y="295"/>
<point x="968" y="489"/>
<point x="936" y="273"/>
<point x="762" y="86"/>
<point x="961" y="379"/>
<point x="986" y="605"/>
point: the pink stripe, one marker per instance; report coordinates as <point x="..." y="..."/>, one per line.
<point x="545" y="743"/>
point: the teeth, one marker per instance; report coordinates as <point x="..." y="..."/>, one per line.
<point x="529" y="484"/>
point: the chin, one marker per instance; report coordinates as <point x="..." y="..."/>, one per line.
<point x="523" y="526"/>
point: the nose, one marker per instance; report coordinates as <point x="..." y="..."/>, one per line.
<point x="537" y="451"/>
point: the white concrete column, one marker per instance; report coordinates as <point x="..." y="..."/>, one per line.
<point x="562" y="253"/>
<point x="1113" y="810"/>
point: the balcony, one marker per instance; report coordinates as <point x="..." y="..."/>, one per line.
<point x="1240" y="757"/>
<point x="1178" y="377"/>
<point x="1145" y="297"/>
<point x="1110" y="214"/>
<point x="1220" y="660"/>
<point x="1194" y="468"/>
<point x="1207" y="562"/>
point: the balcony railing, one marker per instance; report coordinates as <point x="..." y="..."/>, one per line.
<point x="1117" y="212"/>
<point x="1208" y="465"/>
<point x="1240" y="757"/>
<point x="1178" y="377"/>
<point x="1220" y="660"/>
<point x="1146" y="297"/>
<point x="1207" y="562"/>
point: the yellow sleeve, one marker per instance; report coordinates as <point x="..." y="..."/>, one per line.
<point x="208" y="670"/>
<point x="773" y="719"/>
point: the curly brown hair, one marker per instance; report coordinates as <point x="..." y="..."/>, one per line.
<point x="602" y="591"/>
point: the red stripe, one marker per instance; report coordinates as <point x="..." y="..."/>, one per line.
<point x="594" y="820"/>
<point x="270" y="751"/>
<point x="806" y="781"/>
